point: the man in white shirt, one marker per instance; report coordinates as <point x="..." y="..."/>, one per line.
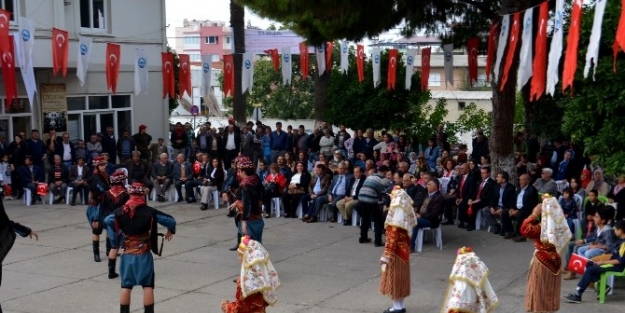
<point x="232" y="145"/>
<point x="350" y="201"/>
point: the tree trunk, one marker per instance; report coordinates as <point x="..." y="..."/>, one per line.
<point x="321" y="90"/>
<point x="528" y="109"/>
<point x="237" y="22"/>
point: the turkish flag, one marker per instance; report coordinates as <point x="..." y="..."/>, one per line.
<point x="60" y="51"/>
<point x="197" y="168"/>
<point x="303" y="60"/>
<point x="113" y="54"/>
<point x="274" y="57"/>
<point x="5" y="18"/>
<point x="8" y="68"/>
<point x="167" y="60"/>
<point x="514" y="39"/>
<point x="472" y="46"/>
<point x="539" y="69"/>
<point x="42" y="189"/>
<point x="184" y="75"/>
<point x="570" y="58"/>
<point x="620" y="32"/>
<point x="229" y="75"/>
<point x="360" y="62"/>
<point x="392" y="69"/>
<point x="490" y="54"/>
<point x="425" y="67"/>
<point x="577" y="264"/>
<point x="329" y="49"/>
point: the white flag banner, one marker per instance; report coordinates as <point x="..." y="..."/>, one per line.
<point x="593" y="47"/>
<point x="344" y="56"/>
<point x="501" y="45"/>
<point x="287" y="65"/>
<point x="555" y="52"/>
<point x="28" y="73"/>
<point x="141" y="71"/>
<point x="448" y="52"/>
<point x="410" y="55"/>
<point x="320" y="53"/>
<point x="376" y="59"/>
<point x="207" y="77"/>
<point x="525" y="56"/>
<point x="82" y="63"/>
<point x="247" y="72"/>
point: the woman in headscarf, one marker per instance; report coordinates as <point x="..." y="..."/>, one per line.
<point x="548" y="228"/>
<point x="598" y="183"/>
<point x="469" y="290"/>
<point x="585" y="178"/>
<point x="258" y="282"/>
<point x="395" y="260"/>
<point x="98" y="186"/>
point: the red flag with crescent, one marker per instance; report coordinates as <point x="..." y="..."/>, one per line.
<point x="8" y="69"/>
<point x="303" y="60"/>
<point x="229" y="75"/>
<point x="472" y="46"/>
<point x="392" y="69"/>
<point x="570" y="57"/>
<point x="425" y="67"/>
<point x="5" y="19"/>
<point x="113" y="54"/>
<point x="167" y="60"/>
<point x="60" y="51"/>
<point x="490" y="54"/>
<point x="577" y="264"/>
<point x="360" y="62"/>
<point x="275" y="58"/>
<point x="42" y="189"/>
<point x="514" y="39"/>
<point x="539" y="68"/>
<point x="329" y="49"/>
<point x="184" y="75"/>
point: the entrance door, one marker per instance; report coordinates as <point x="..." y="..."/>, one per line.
<point x="97" y="123"/>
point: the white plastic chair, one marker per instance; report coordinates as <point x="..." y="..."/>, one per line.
<point x="276" y="205"/>
<point x="167" y="193"/>
<point x="299" y="210"/>
<point x="70" y="190"/>
<point x="215" y="195"/>
<point x="28" y="197"/>
<point x="438" y="237"/>
<point x="355" y="218"/>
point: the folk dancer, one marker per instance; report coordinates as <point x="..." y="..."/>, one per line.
<point x="8" y="229"/>
<point x="395" y="279"/>
<point x="260" y="280"/>
<point x="249" y="201"/>
<point x="138" y="223"/>
<point x="548" y="228"/>
<point x="112" y="200"/>
<point x="98" y="186"/>
<point x="469" y="290"/>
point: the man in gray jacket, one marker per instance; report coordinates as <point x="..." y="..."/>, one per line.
<point x="162" y="173"/>
<point x="183" y="175"/>
<point x="546" y="184"/>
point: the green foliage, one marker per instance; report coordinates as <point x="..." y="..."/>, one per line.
<point x="360" y="105"/>
<point x="471" y="120"/>
<point x="425" y="123"/>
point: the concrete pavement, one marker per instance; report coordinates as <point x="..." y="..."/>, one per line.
<point x="323" y="269"/>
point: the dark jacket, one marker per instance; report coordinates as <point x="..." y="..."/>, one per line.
<point x="509" y="197"/>
<point x="237" y="141"/>
<point x="109" y="145"/>
<point x="182" y="136"/>
<point x="218" y="179"/>
<point x="487" y="194"/>
<point x="143" y="165"/>
<point x="59" y="149"/>
<point x="64" y="174"/>
<point x="352" y="181"/>
<point x="434" y="209"/>
<point x="169" y="169"/>
<point x="86" y="173"/>
<point x="25" y="175"/>
<point x="120" y="145"/>
<point x="420" y="194"/>
<point x="530" y="198"/>
<point x="326" y="180"/>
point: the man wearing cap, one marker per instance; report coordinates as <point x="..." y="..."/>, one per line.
<point x="79" y="176"/>
<point x="138" y="223"/>
<point x="142" y="141"/>
<point x="546" y="184"/>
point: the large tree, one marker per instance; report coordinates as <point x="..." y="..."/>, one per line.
<point x="237" y="22"/>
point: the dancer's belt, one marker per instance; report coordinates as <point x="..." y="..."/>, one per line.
<point x="139" y="244"/>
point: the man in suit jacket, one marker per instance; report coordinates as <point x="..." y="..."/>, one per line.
<point x="139" y="170"/>
<point x="231" y="145"/>
<point x="430" y="213"/>
<point x="464" y="192"/>
<point x="162" y="174"/>
<point x="503" y="199"/>
<point x="58" y="177"/>
<point x="337" y="191"/>
<point x="526" y="200"/>
<point x="31" y="175"/>
<point x="109" y="144"/>
<point x="410" y="188"/>
<point x="347" y="204"/>
<point x="79" y="176"/>
<point x="319" y="186"/>
<point x="482" y="195"/>
<point x="183" y="175"/>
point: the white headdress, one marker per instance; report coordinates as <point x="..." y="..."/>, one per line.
<point x="257" y="271"/>
<point x="401" y="214"/>
<point x="553" y="226"/>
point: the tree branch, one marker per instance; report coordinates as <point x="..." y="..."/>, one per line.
<point x="481" y="6"/>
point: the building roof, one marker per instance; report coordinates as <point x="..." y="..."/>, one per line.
<point x="461" y="95"/>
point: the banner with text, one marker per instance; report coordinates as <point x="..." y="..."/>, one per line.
<point x="54" y="107"/>
<point x="257" y="41"/>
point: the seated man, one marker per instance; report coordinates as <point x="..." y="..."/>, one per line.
<point x="597" y="244"/>
<point x="79" y="176"/>
<point x="139" y="170"/>
<point x="183" y="175"/>
<point x="503" y="199"/>
<point x="526" y="200"/>
<point x="595" y="269"/>
<point x="347" y="204"/>
<point x="337" y="191"/>
<point x="58" y="177"/>
<point x="319" y="186"/>
<point x="162" y="172"/>
<point x="429" y="215"/>
<point x="546" y="184"/>
<point x="31" y="175"/>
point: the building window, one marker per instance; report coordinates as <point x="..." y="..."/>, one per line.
<point x="434" y="80"/>
<point x="191" y="41"/>
<point x="16" y="118"/>
<point x="216" y="58"/>
<point x="228" y="40"/>
<point x="93" y="14"/>
<point x="461" y="105"/>
<point x="211" y="40"/>
<point x="90" y="115"/>
<point x="9" y="5"/>
<point x="195" y="57"/>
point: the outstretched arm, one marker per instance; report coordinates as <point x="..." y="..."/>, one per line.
<point x="111" y="230"/>
<point x="531" y="225"/>
<point x="23" y="230"/>
<point x="167" y="221"/>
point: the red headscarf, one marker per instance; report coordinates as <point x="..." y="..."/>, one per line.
<point x="588" y="179"/>
<point x="137" y="198"/>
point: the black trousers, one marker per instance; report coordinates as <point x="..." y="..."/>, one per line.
<point x="229" y="155"/>
<point x="506" y="221"/>
<point x="371" y="212"/>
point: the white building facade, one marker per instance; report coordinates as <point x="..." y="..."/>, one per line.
<point x="92" y="108"/>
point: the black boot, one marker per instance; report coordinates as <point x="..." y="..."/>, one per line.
<point x="96" y="251"/>
<point x="112" y="264"/>
<point x="124" y="308"/>
<point x="148" y="308"/>
<point x="235" y="248"/>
